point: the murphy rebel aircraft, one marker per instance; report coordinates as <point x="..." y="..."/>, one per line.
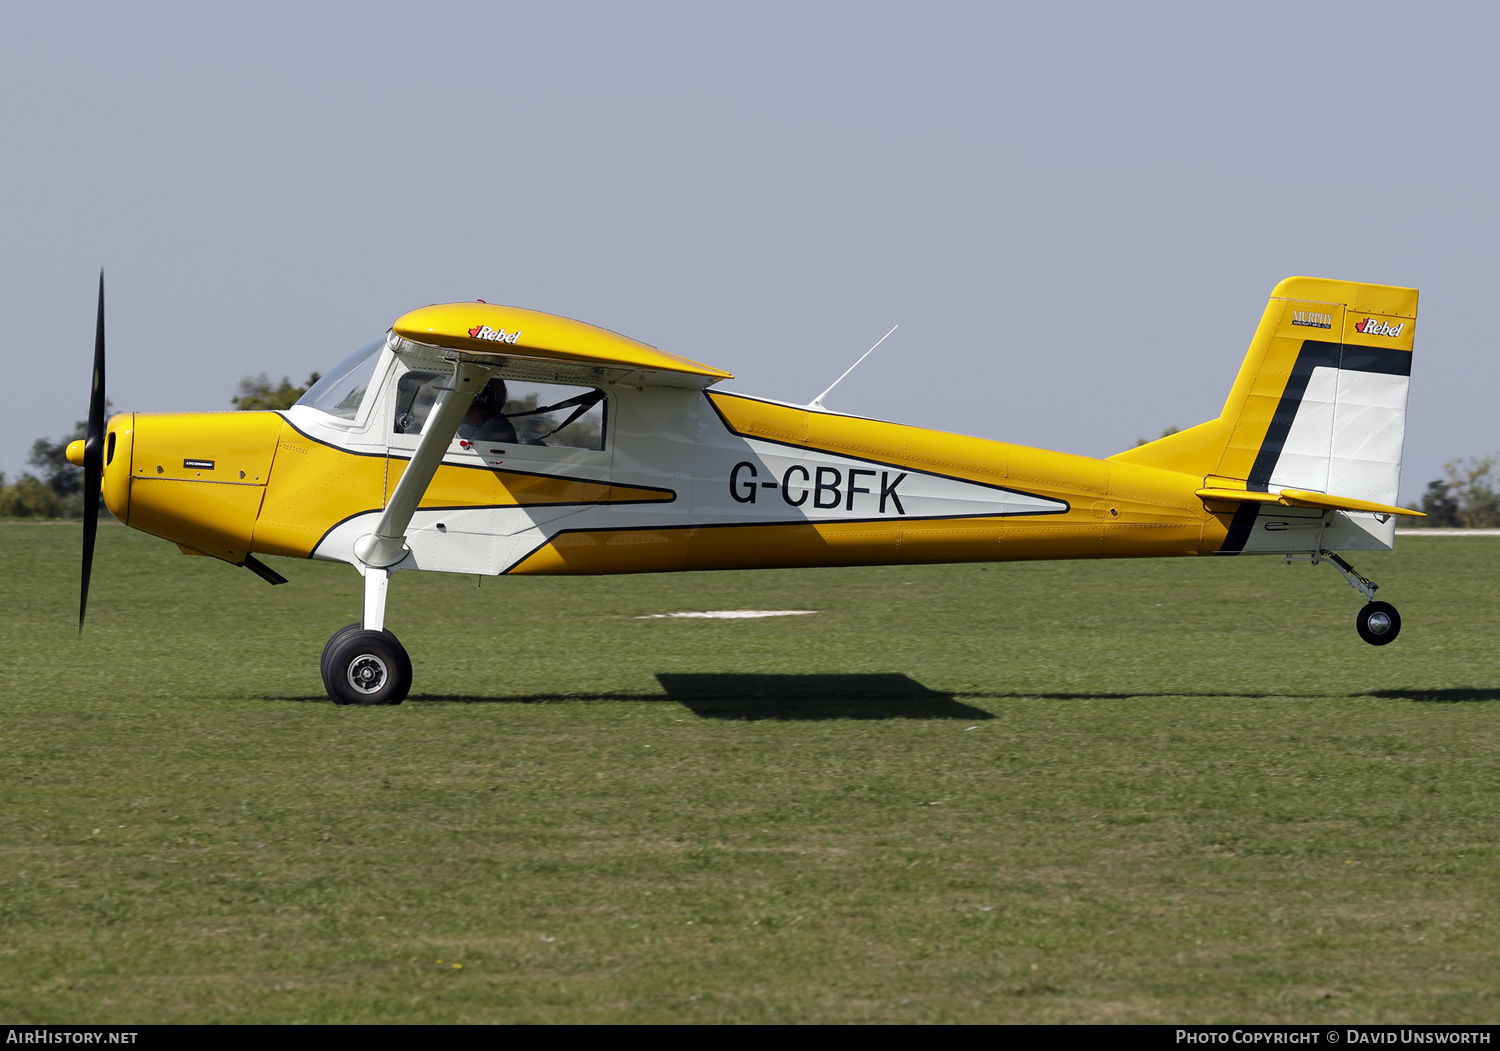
<point x="475" y="438"/>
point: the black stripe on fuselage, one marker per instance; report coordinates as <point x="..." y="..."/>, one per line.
<point x="1315" y="354"/>
<point x="1239" y="529"/>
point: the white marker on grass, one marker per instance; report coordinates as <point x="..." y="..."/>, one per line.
<point x="732" y="614"/>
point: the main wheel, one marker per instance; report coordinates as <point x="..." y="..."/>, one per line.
<point x="366" y="667"/>
<point x="333" y="640"/>
<point x="346" y="630"/>
<point x="1378" y="623"/>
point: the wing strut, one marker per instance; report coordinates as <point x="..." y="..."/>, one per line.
<point x="387" y="544"/>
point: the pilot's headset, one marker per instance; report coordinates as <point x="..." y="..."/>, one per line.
<point x="491" y="401"/>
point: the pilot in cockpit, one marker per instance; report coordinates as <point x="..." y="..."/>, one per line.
<point x="485" y="421"/>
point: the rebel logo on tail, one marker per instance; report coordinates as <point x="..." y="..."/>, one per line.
<point x="1371" y="327"/>
<point x="494" y="335"/>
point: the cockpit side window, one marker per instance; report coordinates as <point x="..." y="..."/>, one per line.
<point x="415" y="394"/>
<point x="342" y="391"/>
<point x="510" y="412"/>
<point x="522" y="412"/>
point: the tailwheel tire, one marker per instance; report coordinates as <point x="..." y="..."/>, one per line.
<point x="365" y="667"/>
<point x="1378" y="623"/>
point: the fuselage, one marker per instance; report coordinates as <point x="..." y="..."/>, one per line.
<point x="686" y="479"/>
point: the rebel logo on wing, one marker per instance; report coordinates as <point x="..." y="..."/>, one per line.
<point x="494" y="335"/>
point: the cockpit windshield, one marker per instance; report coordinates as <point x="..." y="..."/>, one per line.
<point x="341" y="392"/>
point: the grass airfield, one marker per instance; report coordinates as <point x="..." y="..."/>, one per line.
<point x="1163" y="791"/>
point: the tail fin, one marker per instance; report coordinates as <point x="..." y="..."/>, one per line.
<point x="1316" y="420"/>
<point x="1319" y="404"/>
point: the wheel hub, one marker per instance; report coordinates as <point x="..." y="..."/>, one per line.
<point x="367" y="673"/>
<point x="1379" y="623"/>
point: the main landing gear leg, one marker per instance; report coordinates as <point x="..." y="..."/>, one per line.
<point x="1378" y="623"/>
<point x="364" y="663"/>
<point x="367" y="665"/>
<point x="376" y="583"/>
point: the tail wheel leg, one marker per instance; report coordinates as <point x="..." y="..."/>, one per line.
<point x="1378" y="623"/>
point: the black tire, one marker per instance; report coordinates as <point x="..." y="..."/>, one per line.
<point x="366" y="667"/>
<point x="344" y="632"/>
<point x="333" y="640"/>
<point x="1378" y="623"/>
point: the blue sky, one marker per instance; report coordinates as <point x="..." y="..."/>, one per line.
<point x="1074" y="211"/>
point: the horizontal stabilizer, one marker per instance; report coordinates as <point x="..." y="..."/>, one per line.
<point x="1304" y="498"/>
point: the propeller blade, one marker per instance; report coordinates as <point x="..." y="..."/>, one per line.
<point x="93" y="458"/>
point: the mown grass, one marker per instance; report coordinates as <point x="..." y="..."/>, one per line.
<point x="1154" y="791"/>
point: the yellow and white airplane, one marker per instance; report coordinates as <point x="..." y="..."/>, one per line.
<point x="487" y="439"/>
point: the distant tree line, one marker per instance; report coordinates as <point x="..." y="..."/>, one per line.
<point x="55" y="491"/>
<point x="256" y="392"/>
<point x="1146" y="441"/>
<point x="1467" y="497"/>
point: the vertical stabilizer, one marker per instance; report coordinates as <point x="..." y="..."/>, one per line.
<point x="1319" y="403"/>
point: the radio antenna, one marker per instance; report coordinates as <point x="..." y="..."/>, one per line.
<point x="817" y="403"/>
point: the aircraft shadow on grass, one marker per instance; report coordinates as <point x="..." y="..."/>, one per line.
<point x="813" y="697"/>
<point x="775" y="697"/>
<point x="1450" y="696"/>
<point x="1447" y="696"/>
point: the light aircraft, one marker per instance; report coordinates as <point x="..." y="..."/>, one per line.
<point x="484" y="439"/>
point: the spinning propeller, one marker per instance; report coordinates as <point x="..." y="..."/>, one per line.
<point x="93" y="458"/>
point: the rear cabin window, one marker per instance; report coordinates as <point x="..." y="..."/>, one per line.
<point x="516" y="412"/>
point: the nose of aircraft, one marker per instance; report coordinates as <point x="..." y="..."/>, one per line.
<point x="119" y="437"/>
<point x="196" y="479"/>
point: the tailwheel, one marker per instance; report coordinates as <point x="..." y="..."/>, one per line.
<point x="365" y="667"/>
<point x="1378" y="623"/>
